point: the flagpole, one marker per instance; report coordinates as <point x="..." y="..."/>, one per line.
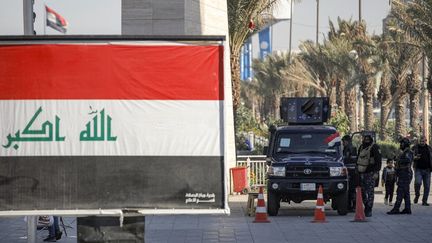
<point x="45" y="19"/>
<point x="28" y="17"/>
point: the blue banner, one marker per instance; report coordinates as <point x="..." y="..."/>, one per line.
<point x="264" y="42"/>
<point x="246" y="61"/>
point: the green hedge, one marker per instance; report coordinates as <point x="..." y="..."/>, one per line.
<point x="389" y="149"/>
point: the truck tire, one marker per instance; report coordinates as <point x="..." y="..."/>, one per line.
<point x="273" y="203"/>
<point x="342" y="203"/>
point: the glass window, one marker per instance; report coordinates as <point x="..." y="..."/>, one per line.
<point x="308" y="142"/>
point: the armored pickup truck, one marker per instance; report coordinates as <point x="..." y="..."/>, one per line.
<point x="304" y="155"/>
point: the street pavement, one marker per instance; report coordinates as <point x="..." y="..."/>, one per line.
<point x="293" y="224"/>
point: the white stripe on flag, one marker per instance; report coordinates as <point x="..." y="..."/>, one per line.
<point x="142" y="127"/>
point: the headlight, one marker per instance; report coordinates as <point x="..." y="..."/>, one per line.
<point x="336" y="171"/>
<point x="277" y="171"/>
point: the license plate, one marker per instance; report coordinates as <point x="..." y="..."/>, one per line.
<point x="307" y="186"/>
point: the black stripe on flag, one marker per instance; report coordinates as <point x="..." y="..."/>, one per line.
<point x="106" y="182"/>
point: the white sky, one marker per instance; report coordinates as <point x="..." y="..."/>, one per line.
<point x="104" y="16"/>
<point x="84" y="16"/>
<point x="304" y="16"/>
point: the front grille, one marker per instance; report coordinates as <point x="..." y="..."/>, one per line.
<point x="299" y="172"/>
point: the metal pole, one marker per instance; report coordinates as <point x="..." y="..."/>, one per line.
<point x="360" y="11"/>
<point x="317" y="21"/>
<point x="31" y="229"/>
<point x="28" y="17"/>
<point x="290" y="37"/>
<point x="426" y="101"/>
<point x="45" y="19"/>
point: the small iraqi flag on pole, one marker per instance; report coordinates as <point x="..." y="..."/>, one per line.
<point x="55" y="20"/>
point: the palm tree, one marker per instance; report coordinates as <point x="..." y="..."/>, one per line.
<point x="366" y="70"/>
<point x="402" y="57"/>
<point x="415" y="19"/>
<point x="299" y="72"/>
<point x="270" y="80"/>
<point x="314" y="61"/>
<point x="414" y="86"/>
<point x="240" y="13"/>
<point x="328" y="68"/>
<point x="342" y="39"/>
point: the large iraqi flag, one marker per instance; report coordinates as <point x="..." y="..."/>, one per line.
<point x="87" y="126"/>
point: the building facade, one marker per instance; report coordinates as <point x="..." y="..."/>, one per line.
<point x="174" y="17"/>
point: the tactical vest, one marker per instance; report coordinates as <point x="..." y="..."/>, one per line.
<point x="364" y="159"/>
<point x="405" y="160"/>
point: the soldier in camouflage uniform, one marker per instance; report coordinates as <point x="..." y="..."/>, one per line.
<point x="404" y="174"/>
<point x="368" y="167"/>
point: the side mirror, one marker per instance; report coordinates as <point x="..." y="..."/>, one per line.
<point x="265" y="150"/>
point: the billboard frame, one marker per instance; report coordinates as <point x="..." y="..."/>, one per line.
<point x="171" y="39"/>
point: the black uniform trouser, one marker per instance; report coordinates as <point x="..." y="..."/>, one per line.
<point x="352" y="189"/>
<point x="403" y="190"/>
<point x="389" y="190"/>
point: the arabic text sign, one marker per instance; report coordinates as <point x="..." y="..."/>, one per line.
<point x="45" y="133"/>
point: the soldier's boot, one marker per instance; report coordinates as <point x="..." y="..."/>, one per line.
<point x="385" y="201"/>
<point x="368" y="211"/>
<point x="406" y="211"/>
<point x="393" y="211"/>
<point x="417" y="192"/>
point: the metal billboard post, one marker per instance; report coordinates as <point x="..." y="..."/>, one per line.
<point x="29" y="30"/>
<point x="31" y="229"/>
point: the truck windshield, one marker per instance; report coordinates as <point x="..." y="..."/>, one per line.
<point x="324" y="143"/>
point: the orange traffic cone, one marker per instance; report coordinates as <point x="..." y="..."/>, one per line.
<point x="359" y="213"/>
<point x="319" y="209"/>
<point x="261" y="210"/>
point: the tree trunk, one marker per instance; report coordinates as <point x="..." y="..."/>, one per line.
<point x="340" y="94"/>
<point x="276" y="105"/>
<point x="414" y="88"/>
<point x="368" y="111"/>
<point x="384" y="96"/>
<point x="383" y="122"/>
<point x="332" y="97"/>
<point x="235" y="79"/>
<point x="400" y="115"/>
<point x="350" y="109"/>
<point x="361" y="112"/>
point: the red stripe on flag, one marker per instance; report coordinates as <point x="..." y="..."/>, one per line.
<point x="331" y="137"/>
<point x="111" y="72"/>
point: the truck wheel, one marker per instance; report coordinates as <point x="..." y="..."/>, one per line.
<point x="342" y="203"/>
<point x="273" y="203"/>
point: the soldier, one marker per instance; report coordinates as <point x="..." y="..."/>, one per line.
<point x="404" y="174"/>
<point x="368" y="167"/>
<point x="349" y="155"/>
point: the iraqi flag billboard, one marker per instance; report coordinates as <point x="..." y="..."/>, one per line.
<point x="106" y="126"/>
